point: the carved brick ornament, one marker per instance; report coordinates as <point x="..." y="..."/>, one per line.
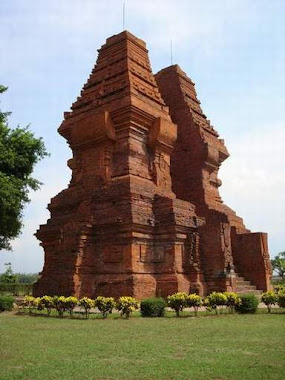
<point x="142" y="215"/>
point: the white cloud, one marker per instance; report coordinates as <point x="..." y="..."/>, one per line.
<point x="254" y="181"/>
<point x="50" y="47"/>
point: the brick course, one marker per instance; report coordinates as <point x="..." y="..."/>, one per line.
<point x="142" y="214"/>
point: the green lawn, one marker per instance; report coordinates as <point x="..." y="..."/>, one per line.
<point x="224" y="347"/>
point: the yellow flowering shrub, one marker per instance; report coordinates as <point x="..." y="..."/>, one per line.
<point x="70" y="304"/>
<point x="269" y="298"/>
<point x="105" y="305"/>
<point x="233" y="300"/>
<point x="30" y="303"/>
<point x="126" y="305"/>
<point x="195" y="301"/>
<point x="46" y="302"/>
<point x="215" y="299"/>
<point x="59" y="304"/>
<point x="86" y="304"/>
<point x="177" y="302"/>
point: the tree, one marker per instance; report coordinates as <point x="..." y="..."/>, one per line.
<point x="27" y="278"/>
<point x="20" y="150"/>
<point x="278" y="264"/>
<point x="8" y="277"/>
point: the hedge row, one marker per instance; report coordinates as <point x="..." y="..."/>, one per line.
<point x="244" y="303"/>
<point x="16" y="288"/>
<point x="151" y="307"/>
<point x="125" y="305"/>
<point x="213" y="301"/>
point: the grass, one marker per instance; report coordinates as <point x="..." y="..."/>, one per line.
<point x="215" y="347"/>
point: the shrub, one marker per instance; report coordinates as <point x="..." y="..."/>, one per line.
<point x="206" y="304"/>
<point x="59" y="303"/>
<point x="126" y="305"/>
<point x="37" y="303"/>
<point x="249" y="303"/>
<point x="46" y="302"/>
<point x="6" y="303"/>
<point x="70" y="304"/>
<point x="105" y="305"/>
<point x="269" y="298"/>
<point x="233" y="300"/>
<point x="195" y="301"/>
<point x="278" y="288"/>
<point x="30" y="303"/>
<point x="153" y="307"/>
<point x="16" y="288"/>
<point x="177" y="302"/>
<point x="87" y="304"/>
<point x="214" y="300"/>
<point x="281" y="298"/>
<point x="8" y="277"/>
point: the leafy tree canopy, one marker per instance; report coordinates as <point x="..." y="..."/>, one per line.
<point x="19" y="152"/>
<point x="278" y="264"/>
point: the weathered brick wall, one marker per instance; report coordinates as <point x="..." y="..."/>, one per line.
<point x="195" y="161"/>
<point x="142" y="214"/>
<point x="250" y="251"/>
<point x="118" y="229"/>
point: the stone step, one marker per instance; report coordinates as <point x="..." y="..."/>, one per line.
<point x="240" y="278"/>
<point x="239" y="282"/>
<point x="245" y="286"/>
<point x="247" y="291"/>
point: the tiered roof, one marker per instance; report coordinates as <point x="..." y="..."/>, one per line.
<point x="122" y="68"/>
<point x="187" y="87"/>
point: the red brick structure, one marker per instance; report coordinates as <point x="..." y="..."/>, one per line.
<point x="227" y="246"/>
<point x="142" y="215"/>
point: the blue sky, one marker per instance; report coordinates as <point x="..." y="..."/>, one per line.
<point x="233" y="51"/>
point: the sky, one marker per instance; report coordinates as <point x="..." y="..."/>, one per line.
<point x="233" y="51"/>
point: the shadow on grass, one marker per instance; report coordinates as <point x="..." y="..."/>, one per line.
<point x="80" y="316"/>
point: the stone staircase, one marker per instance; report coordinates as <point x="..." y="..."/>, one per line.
<point x="245" y="286"/>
